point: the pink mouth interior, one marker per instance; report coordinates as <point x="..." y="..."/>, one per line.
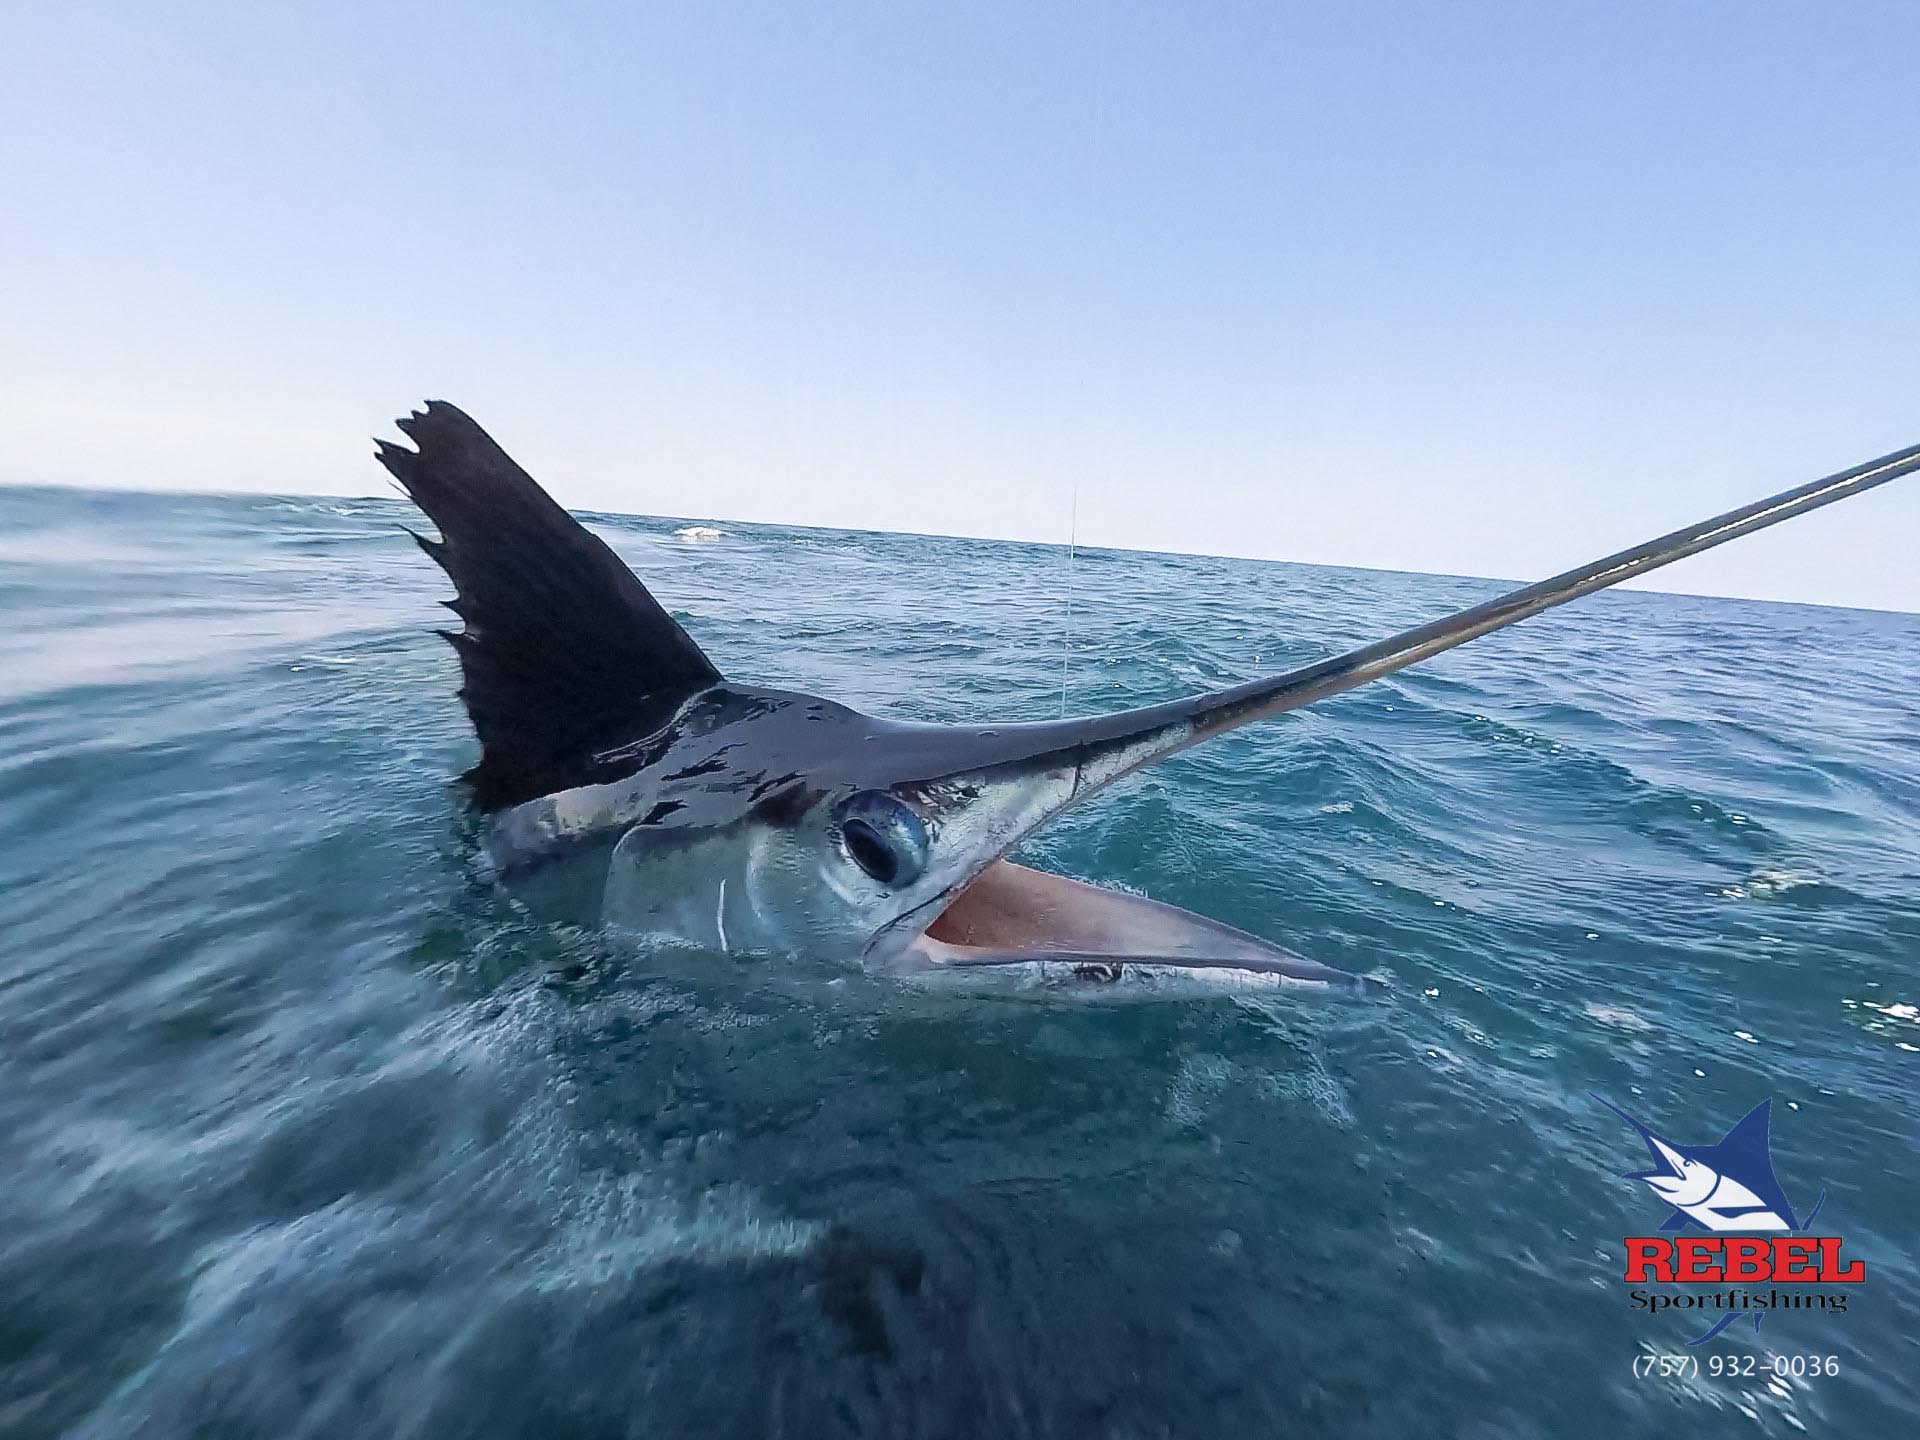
<point x="1010" y="913"/>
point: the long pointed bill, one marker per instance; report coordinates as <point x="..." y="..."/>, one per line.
<point x="1224" y="710"/>
<point x="999" y="913"/>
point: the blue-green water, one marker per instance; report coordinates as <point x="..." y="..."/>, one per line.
<point x="308" y="1132"/>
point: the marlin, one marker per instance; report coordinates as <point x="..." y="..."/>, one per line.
<point x="689" y="808"/>
<point x="1725" y="1186"/>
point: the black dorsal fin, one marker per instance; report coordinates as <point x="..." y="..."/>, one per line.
<point x="564" y="653"/>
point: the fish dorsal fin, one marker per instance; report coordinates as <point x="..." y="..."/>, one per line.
<point x="564" y="654"/>
<point x="1750" y="1135"/>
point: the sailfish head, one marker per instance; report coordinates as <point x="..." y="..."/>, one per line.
<point x="765" y="821"/>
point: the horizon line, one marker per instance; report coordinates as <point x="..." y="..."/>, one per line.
<point x="1628" y="587"/>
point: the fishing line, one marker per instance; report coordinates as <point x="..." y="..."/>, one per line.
<point x="1098" y="136"/>
<point x="1066" y="633"/>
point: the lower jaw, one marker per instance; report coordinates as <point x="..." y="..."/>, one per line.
<point x="1109" y="980"/>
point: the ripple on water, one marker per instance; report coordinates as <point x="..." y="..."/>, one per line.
<point x="314" y="1134"/>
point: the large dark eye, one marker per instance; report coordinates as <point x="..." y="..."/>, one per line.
<point x="885" y="837"/>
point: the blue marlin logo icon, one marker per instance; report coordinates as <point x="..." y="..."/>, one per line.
<point x="1726" y="1186"/>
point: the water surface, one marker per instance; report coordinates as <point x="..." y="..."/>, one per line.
<point x="309" y="1132"/>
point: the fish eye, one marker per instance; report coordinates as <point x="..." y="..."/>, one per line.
<point x="884" y="836"/>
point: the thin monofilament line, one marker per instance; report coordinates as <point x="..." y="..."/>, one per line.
<point x="1096" y="141"/>
<point x="1066" y="631"/>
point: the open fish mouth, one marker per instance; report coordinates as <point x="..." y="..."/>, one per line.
<point x="1012" y="918"/>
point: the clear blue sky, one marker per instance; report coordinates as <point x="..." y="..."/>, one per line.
<point x="1466" y="287"/>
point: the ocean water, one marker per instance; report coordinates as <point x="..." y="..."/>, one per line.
<point x="310" y="1132"/>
